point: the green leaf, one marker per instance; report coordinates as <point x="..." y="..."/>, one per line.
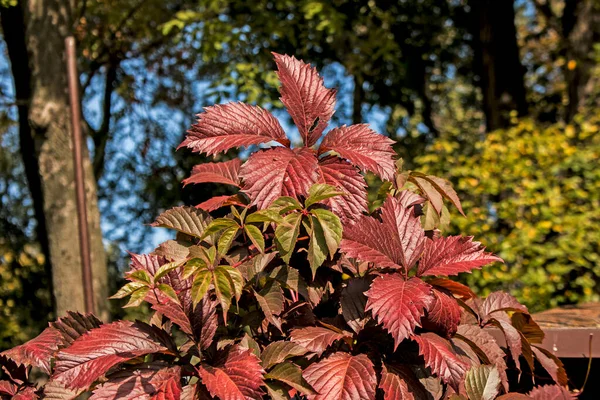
<point x="127" y="290"/>
<point x="248" y="342"/>
<point x="277" y="391"/>
<point x="255" y="236"/>
<point x="332" y="229"/>
<point x="251" y="268"/>
<point x="285" y="204"/>
<point x="223" y="289"/>
<point x="137" y="297"/>
<point x="430" y="218"/>
<point x="270" y="299"/>
<point x="317" y="247"/>
<point x="286" y="235"/>
<point x="200" y="285"/>
<point x="291" y="374"/>
<point x="218" y="225"/>
<point x="165" y="269"/>
<point x="141" y="276"/>
<point x="168" y="291"/>
<point x="267" y="215"/>
<point x="482" y="382"/>
<point x="321" y="191"/>
<point x="226" y="238"/>
<point x="235" y="278"/>
<point x="192" y="266"/>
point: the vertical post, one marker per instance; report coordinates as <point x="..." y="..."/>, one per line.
<point x="84" y="237"/>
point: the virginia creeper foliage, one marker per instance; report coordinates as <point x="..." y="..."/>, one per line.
<point x="298" y="292"/>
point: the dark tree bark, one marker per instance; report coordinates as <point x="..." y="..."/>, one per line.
<point x="38" y="29"/>
<point x="497" y="61"/>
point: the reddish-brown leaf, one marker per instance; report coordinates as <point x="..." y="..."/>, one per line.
<point x="398" y="304"/>
<point x="394" y="386"/>
<point x="27" y="393"/>
<point x="222" y="127"/>
<point x="435" y="197"/>
<point x="7" y="389"/>
<point x="445" y="188"/>
<point x="551" y="392"/>
<point x="37" y="352"/>
<point x="456" y="288"/>
<point x="440" y="358"/>
<point x="278" y="352"/>
<point x="95" y="352"/>
<point x="344" y="176"/>
<point x="452" y="255"/>
<point x="342" y="376"/>
<point x="353" y="302"/>
<point x="277" y="172"/>
<point x="150" y="381"/>
<point x="315" y="339"/>
<point x="396" y="242"/>
<point x="486" y="348"/>
<point x="500" y="301"/>
<point x="305" y="96"/>
<point x="237" y="375"/>
<point x="222" y="172"/>
<point x="551" y="364"/>
<point x="443" y="314"/>
<point x="363" y="147"/>
<point x="220" y="201"/>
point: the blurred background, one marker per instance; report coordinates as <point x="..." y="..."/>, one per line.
<point x="500" y="97"/>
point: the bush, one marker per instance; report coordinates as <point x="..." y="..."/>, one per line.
<point x="533" y="191"/>
<point x="297" y="292"/>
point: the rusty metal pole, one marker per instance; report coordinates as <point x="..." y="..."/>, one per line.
<point x="84" y="236"/>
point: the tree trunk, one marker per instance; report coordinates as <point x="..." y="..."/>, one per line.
<point x="580" y="31"/>
<point x="497" y="61"/>
<point x="47" y="135"/>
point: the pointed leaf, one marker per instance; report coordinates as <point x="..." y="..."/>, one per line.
<point x="315" y="339"/>
<point x="152" y="381"/>
<point x="168" y="291"/>
<point x="57" y="391"/>
<point x="551" y="364"/>
<point x="256" y="237"/>
<point x="398" y="304"/>
<point x="223" y="127"/>
<point x="277" y="391"/>
<point x="200" y="286"/>
<point x="236" y="376"/>
<point x="222" y="172"/>
<point x="217" y="202"/>
<point x="345" y="177"/>
<point x="271" y="301"/>
<point x="452" y="255"/>
<point x="317" y="247"/>
<point x="353" y="303"/>
<point x="430" y="191"/>
<point x="94" y="353"/>
<point x="226" y="239"/>
<point x="440" y="357"/>
<point x="277" y="352"/>
<point x="308" y="101"/>
<point x="551" y="392"/>
<point x="397" y="241"/>
<point x="277" y="172"/>
<point x="188" y="220"/>
<point x="501" y="301"/>
<point x="172" y="251"/>
<point x="409" y="199"/>
<point x="285" y="204"/>
<point x="268" y="215"/>
<point x="37" y="352"/>
<point x="445" y="188"/>
<point x="319" y="192"/>
<point x="286" y="235"/>
<point x="331" y="228"/>
<point x="394" y="386"/>
<point x="456" y="288"/>
<point x="342" y="376"/>
<point x="291" y="374"/>
<point x="443" y="314"/>
<point x="482" y="382"/>
<point x="363" y="147"/>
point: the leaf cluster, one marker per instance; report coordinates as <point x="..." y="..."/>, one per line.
<point x="298" y="292"/>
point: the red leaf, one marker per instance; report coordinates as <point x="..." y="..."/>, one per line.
<point x="342" y="376"/>
<point x="397" y="241"/>
<point x="344" y="176"/>
<point x="28" y="393"/>
<point x="220" y="201"/>
<point x="452" y="255"/>
<point x="551" y="392"/>
<point x="551" y="364"/>
<point x="315" y="339"/>
<point x="74" y="324"/>
<point x="512" y="335"/>
<point x="394" y="387"/>
<point x="398" y="304"/>
<point x="278" y="172"/>
<point x="457" y="289"/>
<point x="486" y="348"/>
<point x="409" y="199"/>
<point x="37" y="352"/>
<point x="151" y="381"/>
<point x="57" y="391"/>
<point x="440" y="358"/>
<point x="305" y="96"/>
<point x="363" y="147"/>
<point x="443" y="315"/>
<point x="222" y="172"/>
<point x="222" y="127"/>
<point x="501" y="301"/>
<point x="236" y="376"/>
<point x="7" y="388"/>
<point x="95" y="352"/>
